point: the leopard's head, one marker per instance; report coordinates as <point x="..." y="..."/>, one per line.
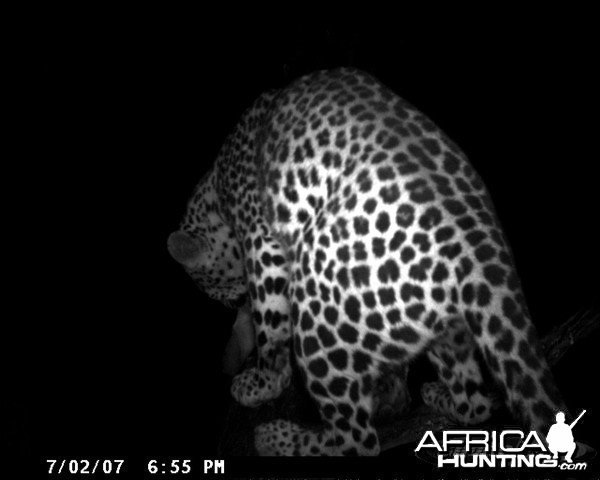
<point x="213" y="258"/>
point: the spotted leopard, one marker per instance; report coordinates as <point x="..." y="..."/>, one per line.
<point x="362" y="237"/>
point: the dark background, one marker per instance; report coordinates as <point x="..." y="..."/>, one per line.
<point x="112" y="350"/>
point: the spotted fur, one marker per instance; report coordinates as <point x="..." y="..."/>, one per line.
<point x="362" y="236"/>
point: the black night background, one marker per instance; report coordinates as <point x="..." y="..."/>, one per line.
<point x="112" y="350"/>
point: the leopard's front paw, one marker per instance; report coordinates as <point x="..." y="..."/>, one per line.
<point x="253" y="386"/>
<point x="276" y="438"/>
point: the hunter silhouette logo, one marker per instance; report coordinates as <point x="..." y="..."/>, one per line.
<point x="560" y="438"/>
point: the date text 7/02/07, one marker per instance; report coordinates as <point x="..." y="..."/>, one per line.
<point x="118" y="466"/>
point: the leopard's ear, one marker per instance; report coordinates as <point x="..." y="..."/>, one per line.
<point x="184" y="248"/>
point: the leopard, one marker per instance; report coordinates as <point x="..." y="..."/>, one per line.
<point x="359" y="237"/>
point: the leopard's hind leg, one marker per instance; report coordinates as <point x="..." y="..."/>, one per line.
<point x="500" y="323"/>
<point x="462" y="392"/>
<point x="345" y="405"/>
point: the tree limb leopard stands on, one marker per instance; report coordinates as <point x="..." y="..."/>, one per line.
<point x="558" y="341"/>
<point x="237" y="438"/>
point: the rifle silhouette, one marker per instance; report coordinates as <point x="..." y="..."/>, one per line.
<point x="577" y="419"/>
